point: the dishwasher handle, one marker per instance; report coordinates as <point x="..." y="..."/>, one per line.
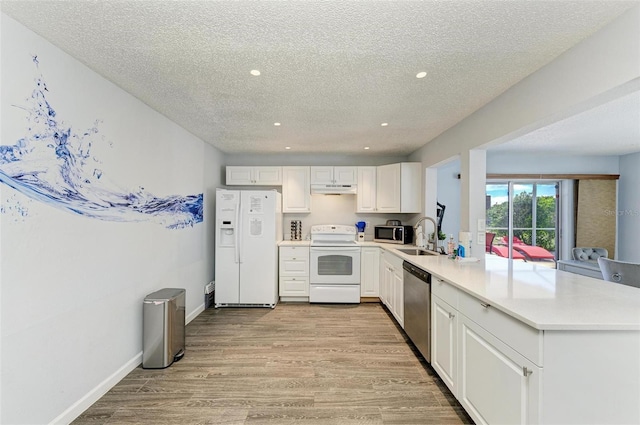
<point x="416" y="271"/>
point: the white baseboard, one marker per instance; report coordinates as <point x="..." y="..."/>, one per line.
<point x="94" y="395"/>
<point x="101" y="389"/>
<point x="194" y="313"/>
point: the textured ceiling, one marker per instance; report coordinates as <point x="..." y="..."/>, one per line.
<point x="331" y="72"/>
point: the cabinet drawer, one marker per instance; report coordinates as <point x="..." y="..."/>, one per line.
<point x="294" y="267"/>
<point x="294" y="287"/>
<point x="295" y="252"/>
<point x="519" y="336"/>
<point x="394" y="261"/>
<point x="445" y="291"/>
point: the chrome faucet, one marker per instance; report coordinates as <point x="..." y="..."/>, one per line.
<point x="433" y="241"/>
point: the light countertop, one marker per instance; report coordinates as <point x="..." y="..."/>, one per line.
<point x="538" y="295"/>
<point x="294" y="243"/>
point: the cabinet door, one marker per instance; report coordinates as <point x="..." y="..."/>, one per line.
<point x="398" y="296"/>
<point x="444" y="342"/>
<point x="370" y="272"/>
<point x="366" y="192"/>
<point x="410" y="187"/>
<point x="294" y="287"/>
<point x="388" y="188"/>
<point x="294" y="261"/>
<point x="239" y="175"/>
<point x="497" y="385"/>
<point x="247" y="176"/>
<point x="296" y="190"/>
<point x="268" y="176"/>
<point x="387" y="279"/>
<point x="321" y="175"/>
<point x="345" y="175"/>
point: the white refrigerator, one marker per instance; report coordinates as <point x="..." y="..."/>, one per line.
<point x="248" y="229"/>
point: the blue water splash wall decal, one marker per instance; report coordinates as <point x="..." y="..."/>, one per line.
<point x="53" y="164"/>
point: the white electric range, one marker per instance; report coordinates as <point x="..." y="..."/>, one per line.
<point x="334" y="264"/>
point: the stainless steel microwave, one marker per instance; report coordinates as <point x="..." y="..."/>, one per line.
<point x="393" y="234"/>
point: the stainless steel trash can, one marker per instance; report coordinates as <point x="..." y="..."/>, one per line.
<point x="163" y="328"/>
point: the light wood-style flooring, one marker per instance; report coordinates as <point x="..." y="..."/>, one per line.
<point x="295" y="364"/>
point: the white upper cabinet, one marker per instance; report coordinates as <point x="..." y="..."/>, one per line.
<point x="250" y="176"/>
<point x="296" y="192"/>
<point x="366" y="196"/>
<point x="398" y="188"/>
<point x="334" y="175"/>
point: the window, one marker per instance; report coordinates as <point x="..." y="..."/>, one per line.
<point x="528" y="211"/>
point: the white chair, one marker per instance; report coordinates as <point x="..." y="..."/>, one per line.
<point x="588" y="253"/>
<point x="620" y="271"/>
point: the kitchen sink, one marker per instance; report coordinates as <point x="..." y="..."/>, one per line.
<point x="417" y="251"/>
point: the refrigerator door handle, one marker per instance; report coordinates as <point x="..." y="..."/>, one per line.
<point x="237" y="232"/>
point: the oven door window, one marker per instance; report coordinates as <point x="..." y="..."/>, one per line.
<point x="335" y="265"/>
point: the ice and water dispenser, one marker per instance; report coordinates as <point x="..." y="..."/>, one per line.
<point x="227" y="221"/>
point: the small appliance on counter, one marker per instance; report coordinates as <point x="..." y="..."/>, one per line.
<point x="361" y="226"/>
<point x="395" y="233"/>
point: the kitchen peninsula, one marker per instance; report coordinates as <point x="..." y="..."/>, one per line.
<point x="518" y="342"/>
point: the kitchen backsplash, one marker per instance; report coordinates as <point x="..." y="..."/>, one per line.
<point x="340" y="209"/>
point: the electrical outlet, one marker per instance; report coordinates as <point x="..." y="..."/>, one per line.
<point x="481" y="238"/>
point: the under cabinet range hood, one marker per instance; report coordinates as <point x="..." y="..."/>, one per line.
<point x="333" y="189"/>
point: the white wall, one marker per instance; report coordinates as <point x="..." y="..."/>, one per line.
<point x="629" y="208"/>
<point x="449" y="195"/>
<point x="545" y="163"/>
<point x="292" y="158"/>
<point x="213" y="178"/>
<point x="72" y="286"/>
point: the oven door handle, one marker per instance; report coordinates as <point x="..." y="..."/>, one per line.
<point x="335" y="249"/>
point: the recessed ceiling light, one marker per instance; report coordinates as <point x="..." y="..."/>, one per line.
<point x="255" y="72"/>
<point x="277" y="124"/>
<point x="287" y="147"/>
<point x="366" y="148"/>
<point x="384" y="124"/>
<point x="421" y="74"/>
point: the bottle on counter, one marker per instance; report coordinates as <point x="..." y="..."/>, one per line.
<point x="450" y="246"/>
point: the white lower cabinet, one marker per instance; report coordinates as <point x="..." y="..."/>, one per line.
<point x="397" y="287"/>
<point x="497" y="385"/>
<point x="492" y="380"/>
<point x="370" y="272"/>
<point x="444" y="340"/>
<point x="294" y="273"/>
<point x="294" y="286"/>
<point x="392" y="286"/>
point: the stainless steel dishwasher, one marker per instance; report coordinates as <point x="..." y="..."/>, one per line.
<point x="417" y="308"/>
